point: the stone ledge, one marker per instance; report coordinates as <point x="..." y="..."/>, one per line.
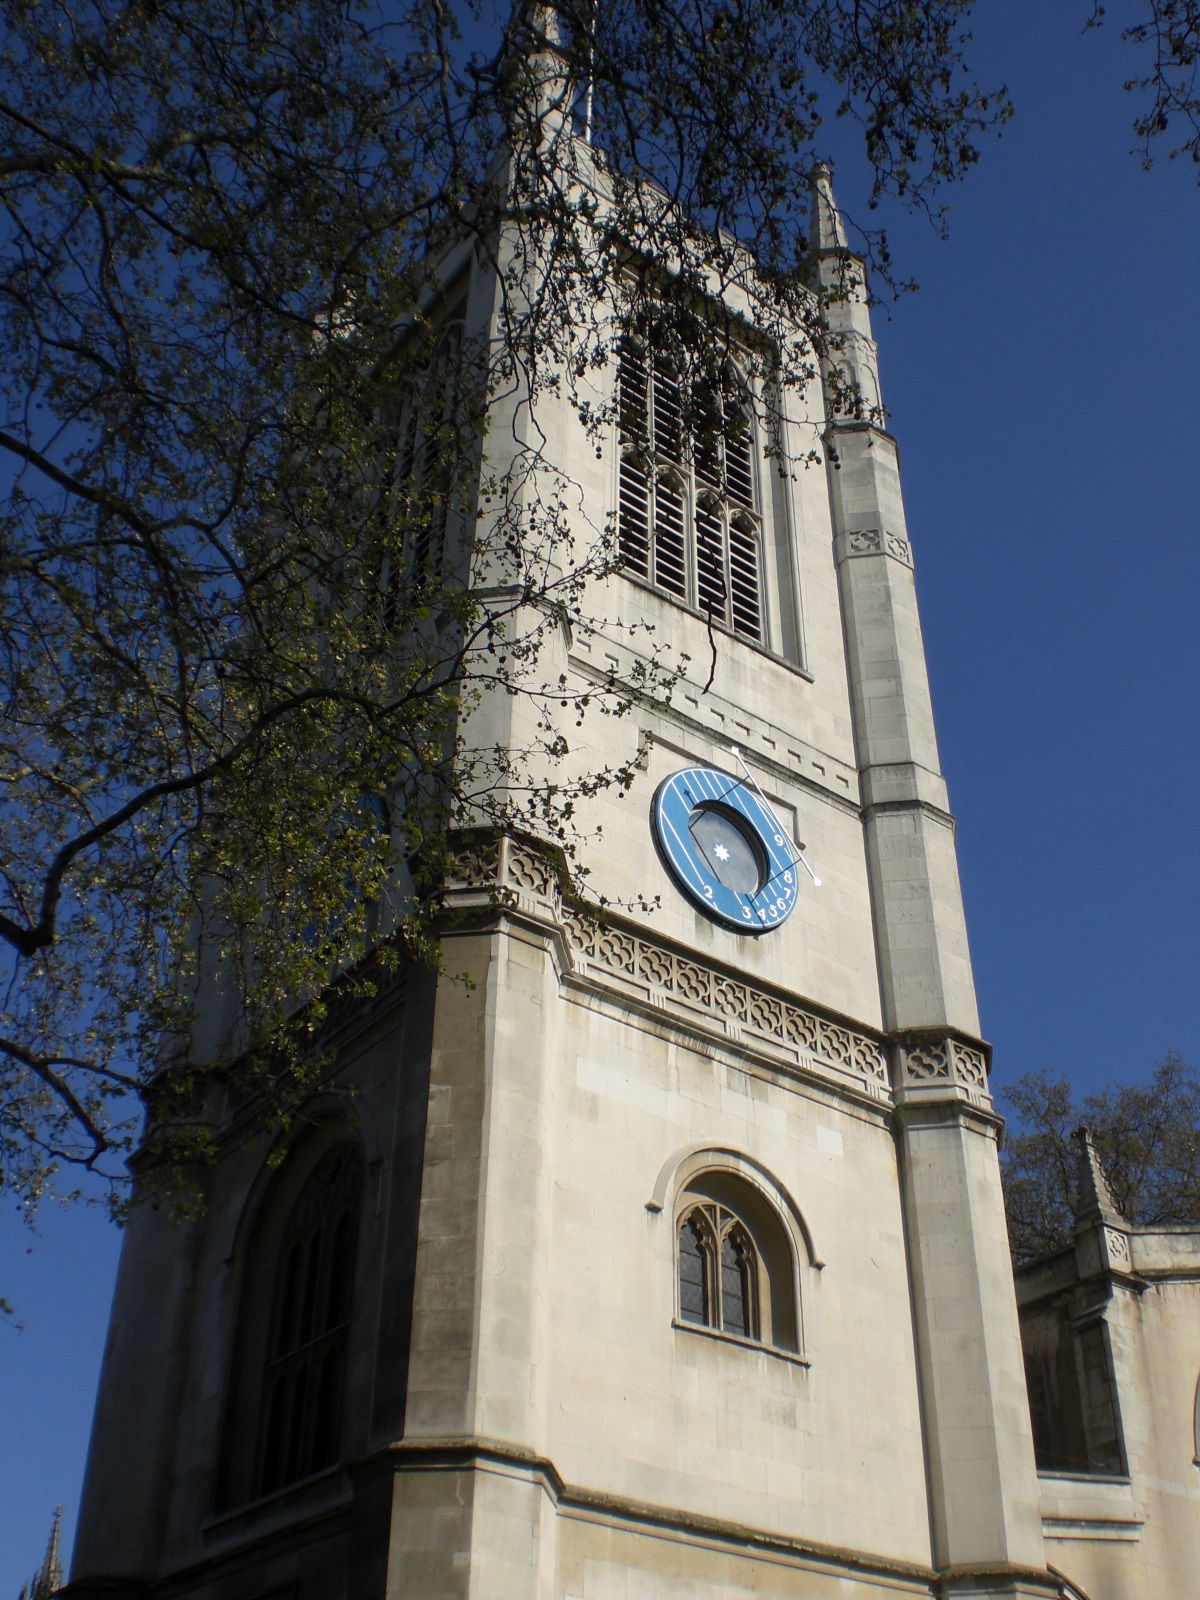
<point x="981" y="1580"/>
<point x="1088" y="1506"/>
<point x="574" y="1500"/>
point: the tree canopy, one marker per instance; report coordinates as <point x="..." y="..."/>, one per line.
<point x="234" y="676"/>
<point x="1165" y="35"/>
<point x="234" y="680"/>
<point x="1147" y="1137"/>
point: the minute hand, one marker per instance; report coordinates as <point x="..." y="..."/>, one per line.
<point x="797" y="850"/>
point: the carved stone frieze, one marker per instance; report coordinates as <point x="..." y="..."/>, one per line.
<point x="513" y="873"/>
<point x="767" y="1022"/>
<point x="928" y="1063"/>
<point x="474" y="866"/>
<point x="527" y="869"/>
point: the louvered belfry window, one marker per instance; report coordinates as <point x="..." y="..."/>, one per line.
<point x="430" y="446"/>
<point x="687" y="516"/>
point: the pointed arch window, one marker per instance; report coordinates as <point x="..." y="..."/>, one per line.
<point x="287" y="1402"/>
<point x="718" y="1272"/>
<point x="688" y="515"/>
<point x="305" y="1371"/>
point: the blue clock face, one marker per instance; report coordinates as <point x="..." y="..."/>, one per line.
<point x="724" y="849"/>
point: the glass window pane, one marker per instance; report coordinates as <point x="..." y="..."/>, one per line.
<point x="734" y="1310"/>
<point x="693" y="1298"/>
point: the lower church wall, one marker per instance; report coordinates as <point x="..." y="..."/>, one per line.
<point x="621" y="1395"/>
<point x="601" y="1561"/>
<point x="561" y="1129"/>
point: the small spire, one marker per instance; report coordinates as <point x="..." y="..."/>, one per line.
<point x="1093" y="1197"/>
<point x="47" y="1581"/>
<point x="840" y="278"/>
<point x="826" y="230"/>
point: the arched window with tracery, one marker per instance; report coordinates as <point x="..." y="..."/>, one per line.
<point x="688" y="511"/>
<point x="287" y="1410"/>
<point x="304" y="1374"/>
<point x="735" y="1263"/>
<point x="718" y="1271"/>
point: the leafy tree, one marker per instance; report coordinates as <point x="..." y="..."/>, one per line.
<point x="1165" y="36"/>
<point x="1147" y="1137"/>
<point x="241" y="634"/>
<point x="243" y="630"/>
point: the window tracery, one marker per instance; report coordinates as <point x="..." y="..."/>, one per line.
<point x="735" y="1268"/>
<point x="718" y="1272"/>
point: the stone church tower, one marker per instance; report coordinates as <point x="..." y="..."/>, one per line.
<point x="666" y="1259"/>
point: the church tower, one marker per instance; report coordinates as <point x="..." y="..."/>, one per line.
<point x="664" y="1256"/>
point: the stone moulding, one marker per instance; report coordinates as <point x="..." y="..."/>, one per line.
<point x="578" y="1502"/>
<point x="1128" y="1532"/>
<point x="883" y="1574"/>
<point x="694" y="713"/>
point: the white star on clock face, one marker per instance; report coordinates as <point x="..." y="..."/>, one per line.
<point x="721" y="853"/>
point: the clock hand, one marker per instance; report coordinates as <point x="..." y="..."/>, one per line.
<point x="797" y="850"/>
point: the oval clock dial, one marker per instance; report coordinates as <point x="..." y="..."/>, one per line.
<point x="724" y="849"/>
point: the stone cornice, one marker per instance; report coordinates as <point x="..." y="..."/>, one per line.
<point x="664" y="980"/>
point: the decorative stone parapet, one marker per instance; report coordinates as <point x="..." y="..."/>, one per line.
<point x="514" y="874"/>
<point x="504" y="872"/>
<point x="927" y="1066"/>
<point x="872" y="542"/>
<point x="636" y="967"/>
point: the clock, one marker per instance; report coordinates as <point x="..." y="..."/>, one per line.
<point x="725" y="849"/>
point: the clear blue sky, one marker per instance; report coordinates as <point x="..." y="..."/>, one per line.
<point x="1043" y="386"/>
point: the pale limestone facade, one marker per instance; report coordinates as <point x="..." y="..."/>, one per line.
<point x="528" y="1416"/>
<point x="1111" y="1328"/>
